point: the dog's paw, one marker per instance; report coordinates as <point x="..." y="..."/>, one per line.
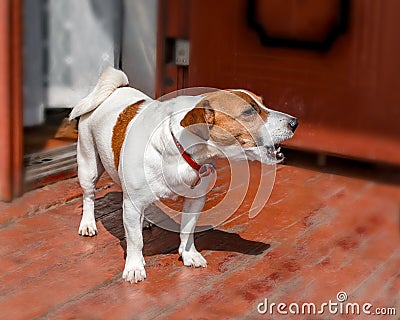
<point x="134" y="273"/>
<point x="193" y="259"/>
<point x="87" y="228"/>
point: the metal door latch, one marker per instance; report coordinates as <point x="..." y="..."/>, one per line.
<point x="182" y="51"/>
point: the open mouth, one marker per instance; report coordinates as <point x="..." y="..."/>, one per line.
<point x="266" y="154"/>
<point x="274" y="153"/>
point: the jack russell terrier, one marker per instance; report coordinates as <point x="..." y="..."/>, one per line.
<point x="157" y="149"/>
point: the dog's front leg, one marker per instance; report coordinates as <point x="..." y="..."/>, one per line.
<point x="190" y="213"/>
<point x="134" y="265"/>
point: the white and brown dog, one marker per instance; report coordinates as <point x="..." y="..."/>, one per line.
<point x="157" y="149"/>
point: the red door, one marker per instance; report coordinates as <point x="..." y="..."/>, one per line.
<point x="345" y="92"/>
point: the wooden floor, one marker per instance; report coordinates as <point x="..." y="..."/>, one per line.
<point x="57" y="131"/>
<point x="322" y="232"/>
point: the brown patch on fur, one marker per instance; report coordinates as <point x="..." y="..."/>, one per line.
<point x="229" y="131"/>
<point x="248" y="98"/>
<point x="198" y="119"/>
<point x="120" y="127"/>
<point x="194" y="116"/>
<point x="231" y="125"/>
<point x="246" y="95"/>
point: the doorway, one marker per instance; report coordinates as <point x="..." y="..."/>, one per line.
<point x="66" y="45"/>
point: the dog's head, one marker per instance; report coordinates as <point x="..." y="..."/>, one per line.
<point x="238" y="118"/>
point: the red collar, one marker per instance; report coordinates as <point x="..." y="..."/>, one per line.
<point x="202" y="170"/>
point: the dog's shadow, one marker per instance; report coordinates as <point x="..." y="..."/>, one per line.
<point x="108" y="210"/>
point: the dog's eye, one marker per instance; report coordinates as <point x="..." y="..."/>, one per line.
<point x="250" y="111"/>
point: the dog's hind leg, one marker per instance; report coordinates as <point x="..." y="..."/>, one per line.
<point x="90" y="169"/>
<point x="133" y="220"/>
<point x="190" y="213"/>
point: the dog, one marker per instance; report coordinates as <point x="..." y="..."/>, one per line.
<point x="157" y="149"/>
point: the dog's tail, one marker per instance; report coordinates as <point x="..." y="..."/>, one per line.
<point x="109" y="81"/>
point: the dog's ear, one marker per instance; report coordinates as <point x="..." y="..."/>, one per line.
<point x="200" y="119"/>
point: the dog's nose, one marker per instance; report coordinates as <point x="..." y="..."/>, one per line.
<point x="293" y="124"/>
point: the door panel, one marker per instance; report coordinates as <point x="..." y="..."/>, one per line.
<point x="344" y="96"/>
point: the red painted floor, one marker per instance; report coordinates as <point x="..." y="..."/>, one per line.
<point x="322" y="232"/>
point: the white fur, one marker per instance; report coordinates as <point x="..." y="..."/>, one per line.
<point x="110" y="80"/>
<point x="150" y="165"/>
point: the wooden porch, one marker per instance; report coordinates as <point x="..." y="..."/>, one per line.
<point x="324" y="230"/>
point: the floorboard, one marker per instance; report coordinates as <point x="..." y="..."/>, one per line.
<point x="320" y="233"/>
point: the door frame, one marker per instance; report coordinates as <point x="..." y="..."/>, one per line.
<point x="11" y="128"/>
